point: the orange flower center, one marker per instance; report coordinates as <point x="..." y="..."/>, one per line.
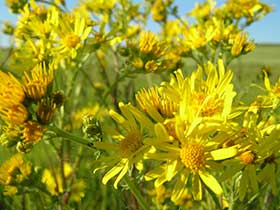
<point x="130" y="144"/>
<point x="71" y="40"/>
<point x="247" y="157"/>
<point x="192" y="156"/>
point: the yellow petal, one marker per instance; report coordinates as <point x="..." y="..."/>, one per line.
<point x="161" y="132"/>
<point x="153" y="174"/>
<point x="180" y="186"/>
<point x="171" y="170"/>
<point x="196" y="187"/>
<point x="121" y="175"/>
<point x="211" y="182"/>
<point x="113" y="172"/>
<point x="224" y="153"/>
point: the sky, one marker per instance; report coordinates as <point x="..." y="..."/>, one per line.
<point x="266" y="30"/>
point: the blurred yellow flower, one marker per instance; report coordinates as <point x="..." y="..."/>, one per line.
<point x="36" y="84"/>
<point x="14" y="170"/>
<point x="71" y="34"/>
<point x="149" y="44"/>
<point x="129" y="148"/>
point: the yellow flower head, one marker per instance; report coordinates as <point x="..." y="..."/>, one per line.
<point x="251" y="10"/>
<point x="15" y="114"/>
<point x="152" y="66"/>
<point x="149" y="44"/>
<point x="72" y="33"/>
<point x="210" y="97"/>
<point x="240" y="44"/>
<point x="15" y="5"/>
<point x="202" y="11"/>
<point x="192" y="154"/>
<point x="32" y="132"/>
<point x="96" y="111"/>
<point x="36" y="84"/>
<point x="11" y="91"/>
<point x="158" y="10"/>
<point x="14" y="169"/>
<point x="53" y="181"/>
<point x="157" y="105"/>
<point x="10" y="136"/>
<point x="198" y="36"/>
<point x="46" y="110"/>
<point x="99" y="5"/>
<point x="129" y="147"/>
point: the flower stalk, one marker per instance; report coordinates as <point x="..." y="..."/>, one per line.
<point x="77" y="139"/>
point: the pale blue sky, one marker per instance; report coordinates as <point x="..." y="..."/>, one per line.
<point x="266" y="30"/>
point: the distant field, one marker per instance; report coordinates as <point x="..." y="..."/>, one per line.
<point x="247" y="68"/>
<point x="263" y="55"/>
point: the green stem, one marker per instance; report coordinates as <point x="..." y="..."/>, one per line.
<point x="80" y="140"/>
<point x="136" y="193"/>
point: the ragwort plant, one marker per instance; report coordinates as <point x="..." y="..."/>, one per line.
<point x="90" y="99"/>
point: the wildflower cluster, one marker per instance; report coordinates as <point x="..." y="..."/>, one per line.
<point x="110" y="96"/>
<point x="26" y="107"/>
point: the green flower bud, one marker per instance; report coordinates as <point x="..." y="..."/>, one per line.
<point x="91" y="128"/>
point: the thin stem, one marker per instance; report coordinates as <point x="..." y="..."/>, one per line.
<point x="71" y="137"/>
<point x="136" y="193"/>
<point x="23" y="201"/>
<point x="53" y="4"/>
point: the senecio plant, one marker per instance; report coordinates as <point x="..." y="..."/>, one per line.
<point x="99" y="112"/>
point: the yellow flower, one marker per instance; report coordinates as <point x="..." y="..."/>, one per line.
<point x="11" y="91"/>
<point x="54" y="184"/>
<point x="152" y="66"/>
<point x="156" y="104"/>
<point x="77" y="190"/>
<point x="32" y="132"/>
<point x="251" y="10"/>
<point x="158" y="10"/>
<point x="149" y="44"/>
<point x="53" y="181"/>
<point x="198" y="97"/>
<point x="273" y="90"/>
<point x="15" y="5"/>
<point x="10" y="136"/>
<point x="10" y="190"/>
<point x="137" y="63"/>
<point x="241" y="45"/>
<point x="198" y="36"/>
<point x="72" y="34"/>
<point x="255" y="162"/>
<point x="14" y="170"/>
<point x="195" y="154"/>
<point x="202" y="11"/>
<point x="129" y="148"/>
<point x="36" y="84"/>
<point x="15" y="114"/>
<point x="96" y="111"/>
<point x="171" y="30"/>
<point x="100" y="5"/>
